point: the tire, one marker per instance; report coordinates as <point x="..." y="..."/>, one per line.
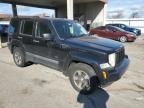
<point x="123" y="39"/>
<point x="88" y="78"/>
<point x="19" y="57"/>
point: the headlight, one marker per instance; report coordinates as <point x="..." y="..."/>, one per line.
<point x="130" y="35"/>
<point x="135" y="31"/>
<point x="112" y="59"/>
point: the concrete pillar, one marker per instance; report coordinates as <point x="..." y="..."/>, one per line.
<point x="14" y="9"/>
<point x="70" y="9"/>
<point x="105" y="14"/>
<point x="0" y="42"/>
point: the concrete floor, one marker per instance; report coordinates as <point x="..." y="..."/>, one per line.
<point x="37" y="86"/>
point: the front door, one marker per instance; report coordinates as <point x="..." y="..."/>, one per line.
<point x="43" y="47"/>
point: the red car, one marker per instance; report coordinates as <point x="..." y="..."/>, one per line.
<point x="114" y="33"/>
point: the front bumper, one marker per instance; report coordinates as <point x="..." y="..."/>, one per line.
<point x="138" y="33"/>
<point x="115" y="74"/>
<point x="131" y="39"/>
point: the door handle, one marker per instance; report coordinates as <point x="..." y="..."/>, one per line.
<point x="20" y="37"/>
<point x="36" y="41"/>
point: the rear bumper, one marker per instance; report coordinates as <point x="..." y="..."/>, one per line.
<point x="9" y="46"/>
<point x="115" y="74"/>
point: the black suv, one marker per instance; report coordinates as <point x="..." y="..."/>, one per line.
<point x="64" y="45"/>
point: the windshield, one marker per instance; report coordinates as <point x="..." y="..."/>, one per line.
<point x="69" y="29"/>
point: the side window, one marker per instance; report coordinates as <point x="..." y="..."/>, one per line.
<point x="42" y="28"/>
<point x="112" y="29"/>
<point x="27" y="27"/>
<point x="119" y="25"/>
<point x="103" y="28"/>
<point x="122" y="26"/>
<point x="108" y="29"/>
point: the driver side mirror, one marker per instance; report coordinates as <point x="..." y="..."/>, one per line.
<point x="47" y="36"/>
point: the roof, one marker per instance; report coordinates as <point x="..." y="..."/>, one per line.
<point x="37" y="17"/>
<point x="47" y="3"/>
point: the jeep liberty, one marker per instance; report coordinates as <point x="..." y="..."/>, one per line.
<point x="89" y="61"/>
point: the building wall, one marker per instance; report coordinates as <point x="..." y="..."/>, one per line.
<point x="95" y="12"/>
<point x="86" y="13"/>
<point x="61" y="11"/>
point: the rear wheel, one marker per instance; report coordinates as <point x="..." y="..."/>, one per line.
<point x="123" y="39"/>
<point x="83" y="78"/>
<point x="18" y="56"/>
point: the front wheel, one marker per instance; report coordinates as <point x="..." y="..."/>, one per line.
<point x="123" y="39"/>
<point x="83" y="78"/>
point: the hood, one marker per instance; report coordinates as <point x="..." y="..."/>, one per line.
<point x="130" y="33"/>
<point x="134" y="29"/>
<point x="95" y="43"/>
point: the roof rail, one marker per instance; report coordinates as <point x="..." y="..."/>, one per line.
<point x="26" y="17"/>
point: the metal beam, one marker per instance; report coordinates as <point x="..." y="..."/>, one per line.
<point x="14" y="9"/>
<point x="0" y="42"/>
<point x="31" y="4"/>
<point x="104" y="14"/>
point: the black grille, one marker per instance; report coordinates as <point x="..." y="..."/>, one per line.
<point x="120" y="55"/>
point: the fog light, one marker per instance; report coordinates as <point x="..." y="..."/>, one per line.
<point x="104" y="65"/>
<point x="104" y="75"/>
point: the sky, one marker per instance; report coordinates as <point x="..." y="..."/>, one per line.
<point x="125" y="6"/>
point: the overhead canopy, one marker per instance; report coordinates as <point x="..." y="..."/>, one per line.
<point x="46" y="3"/>
<point x="82" y="10"/>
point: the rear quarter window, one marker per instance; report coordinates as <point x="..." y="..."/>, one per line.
<point x="15" y="25"/>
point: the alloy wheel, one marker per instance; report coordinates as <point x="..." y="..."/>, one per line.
<point x="81" y="80"/>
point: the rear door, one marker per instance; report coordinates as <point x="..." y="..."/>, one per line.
<point x="26" y="35"/>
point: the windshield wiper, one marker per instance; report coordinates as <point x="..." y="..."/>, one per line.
<point x="83" y="35"/>
<point x="77" y="36"/>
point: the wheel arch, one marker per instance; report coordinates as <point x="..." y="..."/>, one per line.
<point x="91" y="63"/>
<point x="16" y="44"/>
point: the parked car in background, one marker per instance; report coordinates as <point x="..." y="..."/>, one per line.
<point x="4" y="30"/>
<point x="114" y="33"/>
<point x="127" y="28"/>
